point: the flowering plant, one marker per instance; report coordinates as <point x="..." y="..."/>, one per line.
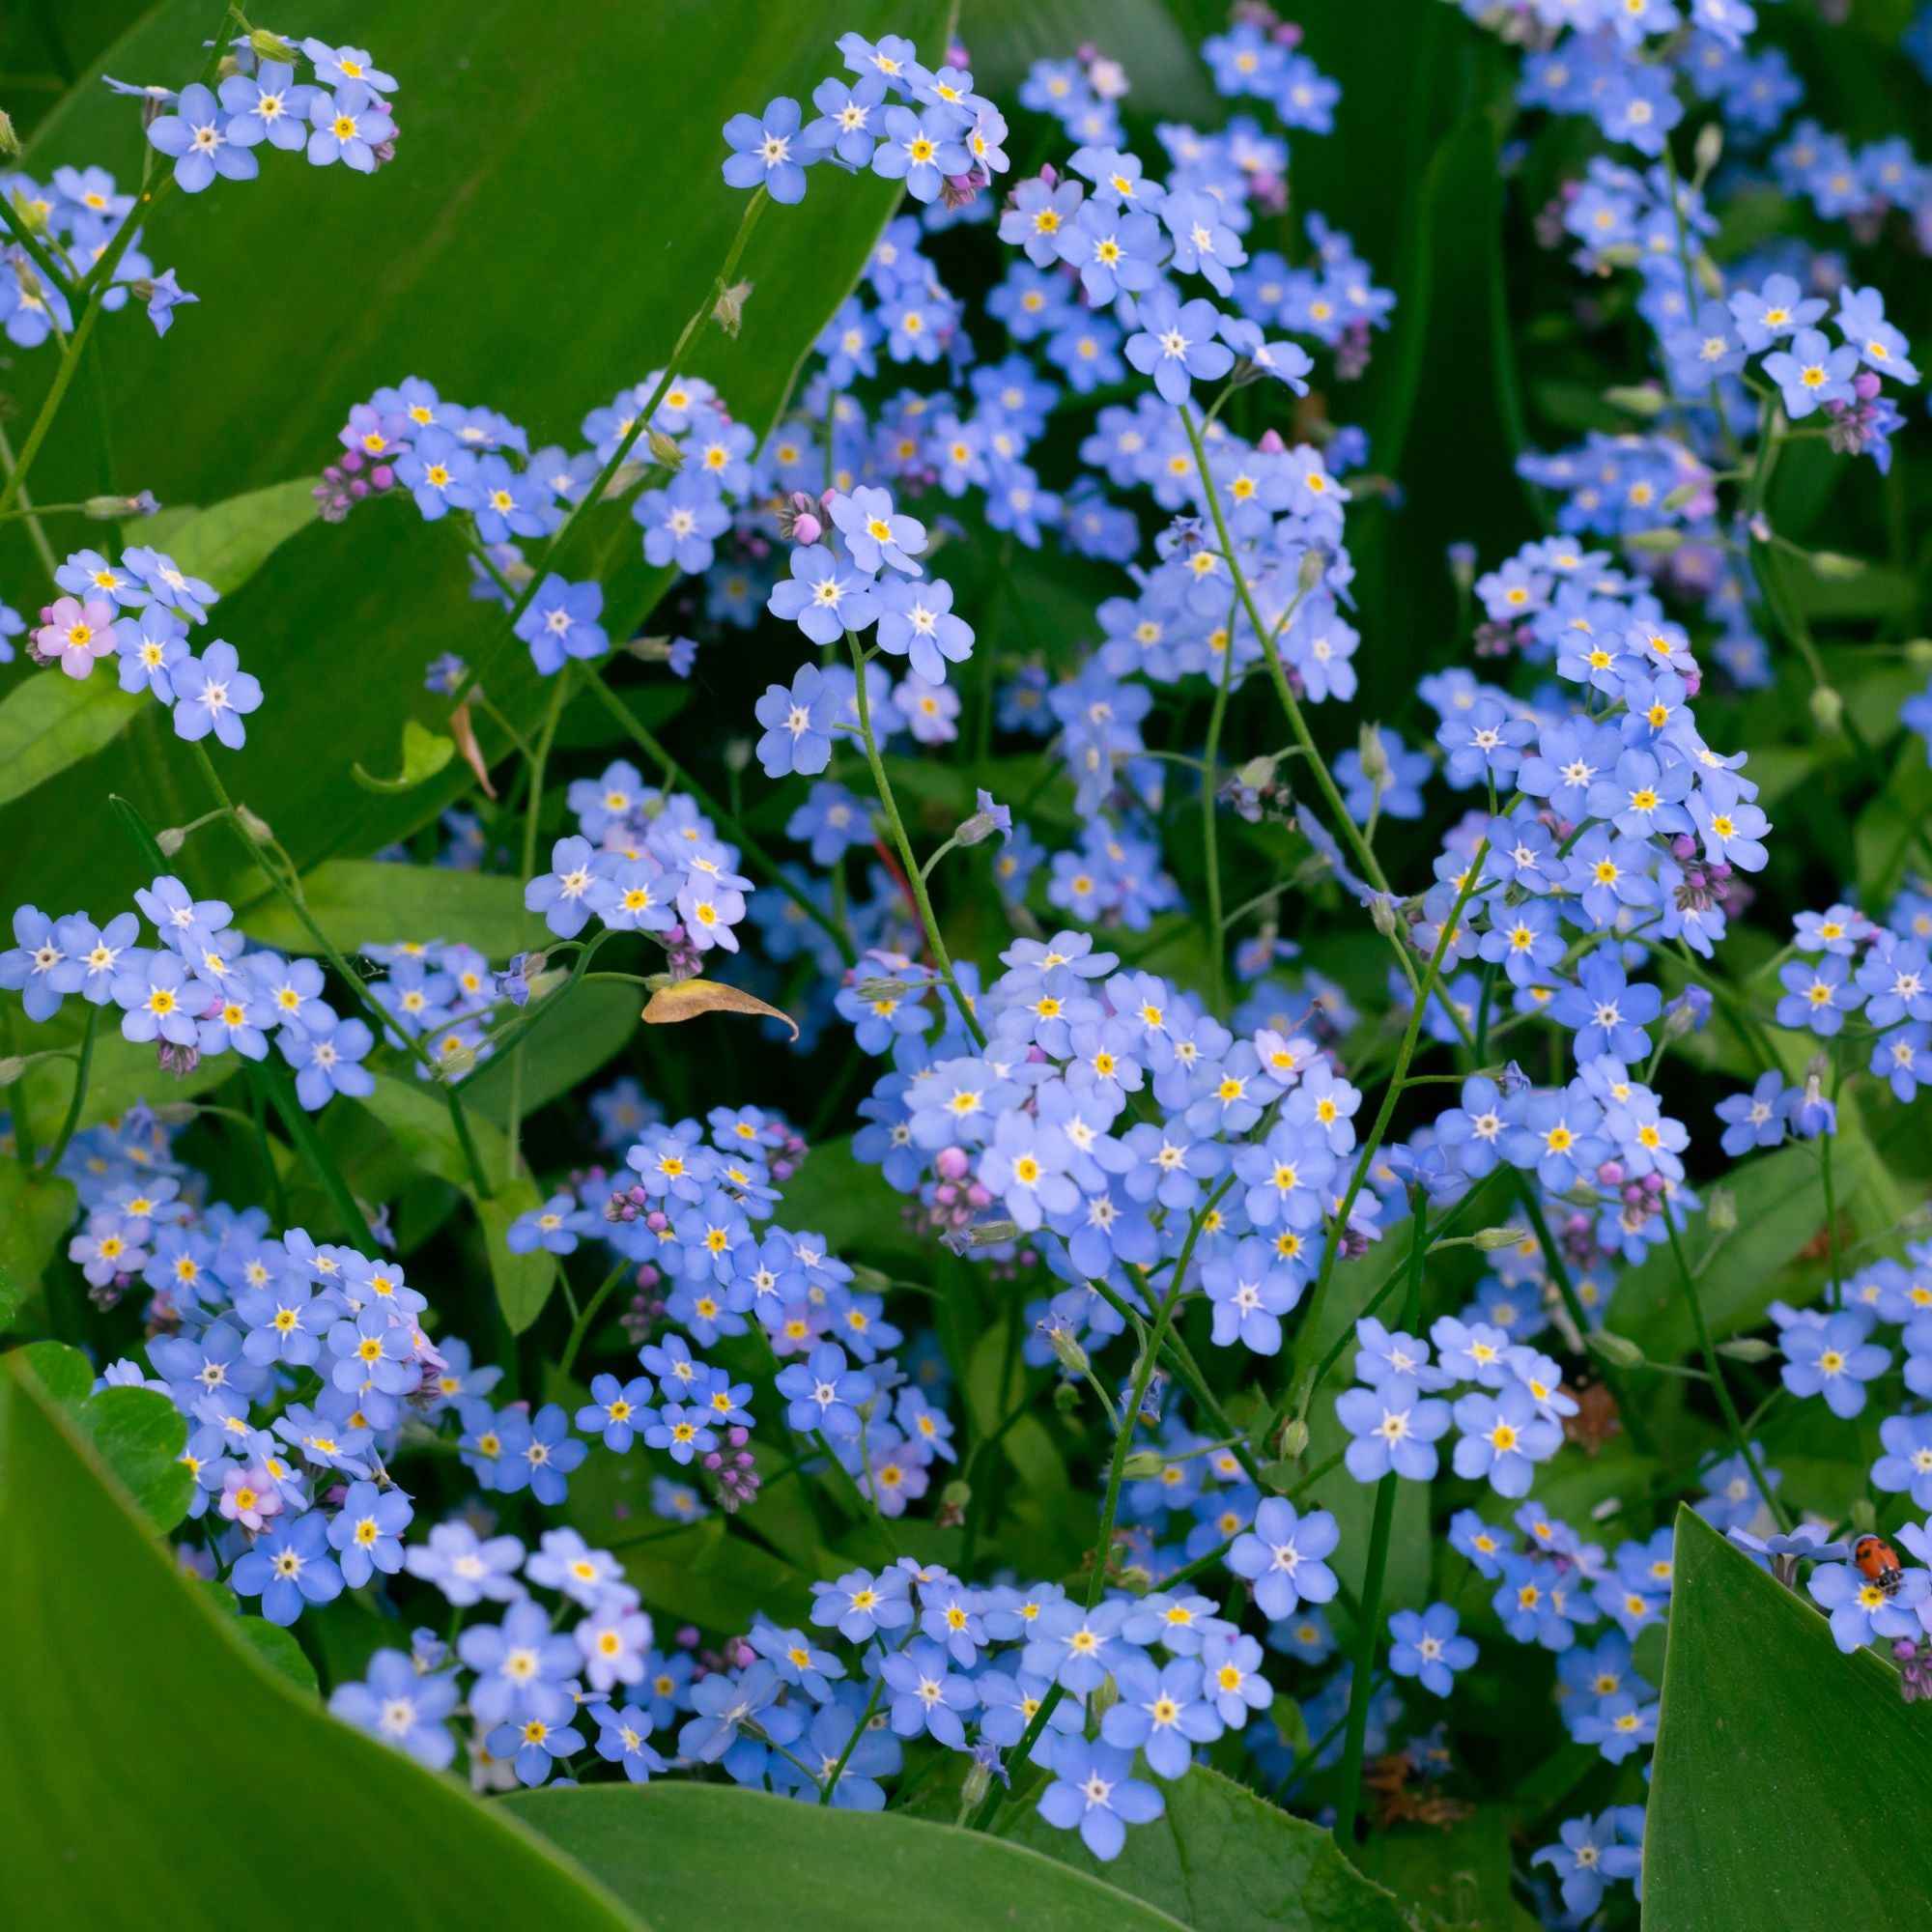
<point x="1114" y="1019"/>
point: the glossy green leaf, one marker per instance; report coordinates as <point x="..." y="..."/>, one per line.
<point x="425" y="753"/>
<point x="140" y="1435"/>
<point x="1459" y="1878"/>
<point x="137" y="1432"/>
<point x="36" y="1209"/>
<point x="119" y="1673"/>
<point x="1791" y="1785"/>
<point x="708" y="1854"/>
<point x="1225" y="1860"/>
<point x="524" y="1282"/>
<point x="50" y="721"/>
<point x="594" y="1025"/>
<point x="340" y="627"/>
<point x="362" y="902"/>
<point x="229" y="542"/>
<point x="420" y="1123"/>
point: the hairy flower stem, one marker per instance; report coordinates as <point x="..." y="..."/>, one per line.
<point x="1361" y="1689"/>
<point x="1268" y="636"/>
<point x="513" y="1124"/>
<point x="1740" y="1438"/>
<point x="97" y="285"/>
<point x="1117" y="1470"/>
<point x="641" y="736"/>
<point x="1301" y="1392"/>
<point x="915" y="878"/>
<point x="1210" y="853"/>
<point x="289" y="891"/>
<point x="82" y="1067"/>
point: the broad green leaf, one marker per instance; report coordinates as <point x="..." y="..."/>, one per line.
<point x="137" y="1432"/>
<point x="64" y="1373"/>
<point x="102" y="1630"/>
<point x="36" y="1210"/>
<point x="229" y="542"/>
<point x="1224" y="1860"/>
<point x="595" y="1024"/>
<point x="1459" y="1877"/>
<point x="140" y="1435"/>
<point x="419" y="1120"/>
<point x="1791" y="1785"/>
<point x="707" y="1854"/>
<point x="280" y="1650"/>
<point x="425" y="753"/>
<point x="1887" y="829"/>
<point x="341" y="625"/>
<point x="361" y="902"/>
<point x="524" y="1282"/>
<point x="846" y="1200"/>
<point x="50" y="721"/>
<point x="121" y="1074"/>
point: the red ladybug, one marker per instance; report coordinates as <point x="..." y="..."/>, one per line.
<point x="1878" y="1560"/>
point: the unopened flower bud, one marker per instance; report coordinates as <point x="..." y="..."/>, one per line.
<point x="665" y="450"/>
<point x="1919" y="654"/>
<point x="170" y="839"/>
<point x="1747" y="1348"/>
<point x="454" y="1059"/>
<point x="10" y="142"/>
<point x="1066" y="1350"/>
<point x="1657" y="543"/>
<point x="1827" y="707"/>
<point x="993" y="1234"/>
<point x="1837" y="565"/>
<point x="1720" y="1210"/>
<point x="1619" y="1350"/>
<point x="1293" y="1440"/>
<point x="977" y="829"/>
<point x="117" y="509"/>
<point x="1640" y="399"/>
<point x="1461" y="565"/>
<point x="254" y="827"/>
<point x="1373" y="754"/>
<point x="1313" y="568"/>
<point x="1708" y="147"/>
<point x="737" y="753"/>
<point x="268" y="47"/>
<point x="1683" y="496"/>
<point x="1490" y="1239"/>
<point x="1103" y="1697"/>
<point x="1142" y="1465"/>
<point x="973" y="1786"/>
<point x="728" y="310"/>
<point x="1067" y="1398"/>
<point x="1383" y="915"/>
<point x="1270" y="442"/>
<point x="1864" y="1518"/>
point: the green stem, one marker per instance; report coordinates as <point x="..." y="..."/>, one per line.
<point x="79" y="1096"/>
<point x="1349" y="1797"/>
<point x="1097" y="1583"/>
<point x="896" y="825"/>
<point x="96" y="283"/>
<point x="1740" y="1440"/>
<point x="385" y="1026"/>
<point x="513" y="1124"/>
<point x="1211" y="854"/>
<point x="35" y="529"/>
<point x="580" y="1330"/>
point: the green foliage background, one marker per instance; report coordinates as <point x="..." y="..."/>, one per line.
<point x="555" y="216"/>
